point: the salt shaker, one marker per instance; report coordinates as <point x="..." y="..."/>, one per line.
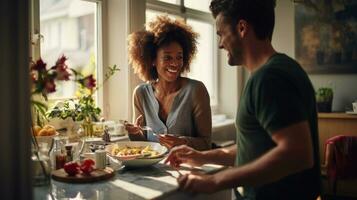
<point x="100" y="159"/>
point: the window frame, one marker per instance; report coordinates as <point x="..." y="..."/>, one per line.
<point x="36" y="37"/>
<point x="180" y="10"/>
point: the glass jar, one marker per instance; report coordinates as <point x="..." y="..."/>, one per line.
<point x="40" y="166"/>
<point x="87" y="126"/>
<point x="57" y="156"/>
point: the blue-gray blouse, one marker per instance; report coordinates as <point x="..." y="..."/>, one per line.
<point x="189" y="117"/>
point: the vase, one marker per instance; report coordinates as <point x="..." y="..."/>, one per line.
<point x="324" y="106"/>
<point x="87" y="126"/>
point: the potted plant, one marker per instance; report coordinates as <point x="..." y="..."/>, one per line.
<point x="324" y="96"/>
<point x="83" y="108"/>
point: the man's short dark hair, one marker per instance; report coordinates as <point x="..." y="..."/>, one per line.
<point x="258" y="13"/>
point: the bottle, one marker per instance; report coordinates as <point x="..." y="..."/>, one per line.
<point x="69" y="153"/>
<point x="57" y="158"/>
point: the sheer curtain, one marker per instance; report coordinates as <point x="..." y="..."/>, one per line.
<point x="15" y="173"/>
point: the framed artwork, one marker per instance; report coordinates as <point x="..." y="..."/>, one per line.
<point x="326" y="35"/>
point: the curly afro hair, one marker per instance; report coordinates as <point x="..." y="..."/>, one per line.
<point x="143" y="45"/>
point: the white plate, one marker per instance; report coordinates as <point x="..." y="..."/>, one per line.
<point x="140" y="162"/>
<point x="351" y="112"/>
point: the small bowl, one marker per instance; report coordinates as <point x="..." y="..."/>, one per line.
<point x="46" y="139"/>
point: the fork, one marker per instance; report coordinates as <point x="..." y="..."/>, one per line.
<point x="148" y="128"/>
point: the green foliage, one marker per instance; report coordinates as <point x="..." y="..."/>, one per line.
<point x="39" y="109"/>
<point x="111" y="71"/>
<point x="324" y="94"/>
<point x="84" y="106"/>
<point x="76" y="109"/>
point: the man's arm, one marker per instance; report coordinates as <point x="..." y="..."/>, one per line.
<point x="186" y="154"/>
<point x="293" y="153"/>
<point x="221" y="156"/>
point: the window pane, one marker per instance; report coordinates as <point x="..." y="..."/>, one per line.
<point x="171" y="1"/>
<point x="69" y="28"/>
<point x="151" y="15"/>
<point x="202" y="5"/>
<point x="202" y="67"/>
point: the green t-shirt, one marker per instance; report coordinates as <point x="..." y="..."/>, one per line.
<point x="277" y="95"/>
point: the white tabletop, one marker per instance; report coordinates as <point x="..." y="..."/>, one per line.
<point x="155" y="182"/>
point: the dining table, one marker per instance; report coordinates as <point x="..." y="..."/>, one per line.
<point x="158" y="181"/>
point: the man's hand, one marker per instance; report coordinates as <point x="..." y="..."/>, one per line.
<point x="185" y="154"/>
<point x="171" y="141"/>
<point x="198" y="183"/>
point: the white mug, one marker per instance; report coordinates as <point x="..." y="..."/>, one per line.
<point x="354" y="105"/>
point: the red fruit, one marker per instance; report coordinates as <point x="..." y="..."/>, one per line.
<point x="88" y="162"/>
<point x="86" y="169"/>
<point x="71" y="168"/>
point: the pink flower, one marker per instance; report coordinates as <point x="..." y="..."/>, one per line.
<point x="39" y="65"/>
<point x="50" y="86"/>
<point x="61" y="68"/>
<point x="61" y="60"/>
<point x="88" y="82"/>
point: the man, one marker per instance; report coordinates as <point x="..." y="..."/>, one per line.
<point x="276" y="156"/>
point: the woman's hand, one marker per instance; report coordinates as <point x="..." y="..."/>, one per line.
<point x="134" y="129"/>
<point x="171" y="141"/>
<point x="185" y="154"/>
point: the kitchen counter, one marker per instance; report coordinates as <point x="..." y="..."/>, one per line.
<point x="154" y="182"/>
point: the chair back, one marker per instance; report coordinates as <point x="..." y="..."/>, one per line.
<point x="341" y="158"/>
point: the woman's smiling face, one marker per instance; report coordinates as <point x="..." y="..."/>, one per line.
<point x="169" y="61"/>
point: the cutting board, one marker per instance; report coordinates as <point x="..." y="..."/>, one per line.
<point x="95" y="175"/>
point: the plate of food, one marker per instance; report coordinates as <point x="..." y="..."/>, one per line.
<point x="137" y="154"/>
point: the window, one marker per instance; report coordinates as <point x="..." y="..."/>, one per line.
<point x="70" y="28"/>
<point x="196" y="14"/>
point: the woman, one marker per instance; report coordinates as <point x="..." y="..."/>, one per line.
<point x="176" y="108"/>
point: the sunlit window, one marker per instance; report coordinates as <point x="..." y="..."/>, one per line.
<point x="202" y="5"/>
<point x="171" y="1"/>
<point x="69" y="28"/>
<point x="202" y="67"/>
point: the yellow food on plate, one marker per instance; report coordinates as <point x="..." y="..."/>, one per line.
<point x="132" y="151"/>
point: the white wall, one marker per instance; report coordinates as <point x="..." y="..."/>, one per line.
<point x="283" y="41"/>
<point x="116" y="94"/>
<point x="123" y="17"/>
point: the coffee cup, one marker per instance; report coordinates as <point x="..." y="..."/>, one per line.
<point x="354" y="105"/>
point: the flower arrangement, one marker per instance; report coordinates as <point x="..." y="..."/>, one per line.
<point x="43" y="83"/>
<point x="83" y="107"/>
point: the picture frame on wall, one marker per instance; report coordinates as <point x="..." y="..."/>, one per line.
<point x="326" y="36"/>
